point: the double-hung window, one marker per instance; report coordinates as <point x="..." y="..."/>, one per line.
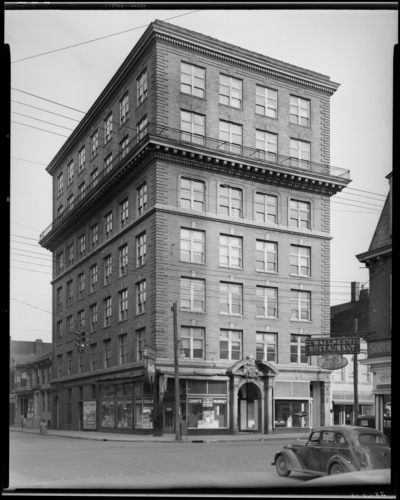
<point x="94" y="178"/>
<point x="193" y="342"/>
<point x="124" y="108"/>
<point x="266" y="256"/>
<point x="70" y="292"/>
<point x="124" y="212"/>
<point x="59" y="298"/>
<point x="141" y="297"/>
<point x="140" y="343"/>
<point x="93" y="278"/>
<point x="108" y="127"/>
<point x="70" y="327"/>
<point x="300" y="305"/>
<point x="81" y="285"/>
<point x="266" y="101"/>
<point x="192" y="194"/>
<point x="300" y="111"/>
<point x="266" y="208"/>
<point x="81" y="190"/>
<point x="70" y="172"/>
<point x="300" y="258"/>
<point x="300" y="153"/>
<point x="94" y="234"/>
<point x="193" y="127"/>
<point x="230" y="345"/>
<point x="231" y="134"/>
<point x="81" y="319"/>
<point x="267" y="145"/>
<point x="193" y="294"/>
<point x="69" y="362"/>
<point x="59" y="331"/>
<point x="142" y="87"/>
<point x="70" y="202"/>
<point x="93" y="356"/>
<point x="192" y="245"/>
<point x="298" y="349"/>
<point x="230" y="91"/>
<point x="266" y="347"/>
<point x="60" y="210"/>
<point x="267" y="302"/>
<point x="123" y="260"/>
<point x="300" y="214"/>
<point x="230" y="201"/>
<point x="193" y="80"/>
<point x="107" y="269"/>
<point x="71" y="254"/>
<point x="60" y="184"/>
<point x="108" y="163"/>
<point x="231" y="298"/>
<point x="94" y="143"/>
<point x="93" y="317"/>
<point x="107" y="353"/>
<point x="60" y="262"/>
<point x="81" y="159"/>
<point x="123" y="305"/>
<point x="123" y="348"/>
<point x="142" y="198"/>
<point x="141" y="128"/>
<point x="107" y="311"/>
<point x="141" y="249"/>
<point x="124" y="146"/>
<point x="230" y="251"/>
<point x="82" y="244"/>
<point x="108" y="223"/>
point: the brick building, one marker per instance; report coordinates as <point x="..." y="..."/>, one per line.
<point x="200" y="177"/>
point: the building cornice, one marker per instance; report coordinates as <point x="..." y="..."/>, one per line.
<point x="385" y="251"/>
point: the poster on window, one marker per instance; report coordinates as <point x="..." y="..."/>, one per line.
<point x="89" y="414"/>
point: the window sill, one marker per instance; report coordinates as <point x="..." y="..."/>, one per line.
<point x="266" y="317"/>
<point x="191" y="311"/>
<point x="189" y="262"/>
<point x="140" y="314"/>
<point x="299" y="276"/>
<point x="230" y="107"/>
<point x="122" y="320"/>
<point x="265" y="116"/>
<point x="140" y="104"/>
<point x="231" y="314"/>
<point x="141" y="265"/>
<point x="94" y="157"/>
<point x="231" y="267"/>
<point x="124" y="123"/>
<point x="299" y="125"/>
<point x="300" y="320"/>
<point x="107" y="284"/>
<point x="267" y="272"/>
<point x="106" y="326"/>
<point x="194" y="96"/>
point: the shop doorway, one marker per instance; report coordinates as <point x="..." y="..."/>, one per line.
<point x="169" y="418"/>
<point x="249" y="407"/>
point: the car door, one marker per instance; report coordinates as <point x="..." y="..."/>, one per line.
<point x="330" y="445"/>
<point x="310" y="453"/>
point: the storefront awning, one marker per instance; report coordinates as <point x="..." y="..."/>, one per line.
<point x="118" y="378"/>
<point x="347" y="397"/>
<point x="198" y="377"/>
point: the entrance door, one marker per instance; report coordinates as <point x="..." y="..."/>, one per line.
<point x="249" y="408"/>
<point x="169" y="418"/>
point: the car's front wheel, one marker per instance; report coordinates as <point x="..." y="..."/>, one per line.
<point x="281" y="466"/>
<point x="336" y="469"/>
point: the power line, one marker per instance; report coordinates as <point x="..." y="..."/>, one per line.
<point x="39" y="120"/>
<point x="30" y="161"/>
<point x="44" y="99"/>
<point x="369" y="192"/>
<point x="45" y="110"/>
<point x="43" y="130"/>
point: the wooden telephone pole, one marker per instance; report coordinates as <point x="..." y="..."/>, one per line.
<point x="178" y="436"/>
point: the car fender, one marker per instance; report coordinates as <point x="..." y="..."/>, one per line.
<point x="292" y="460"/>
<point x="347" y="465"/>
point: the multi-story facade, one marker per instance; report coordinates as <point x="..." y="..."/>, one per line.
<point x="200" y="177"/>
<point x="378" y="259"/>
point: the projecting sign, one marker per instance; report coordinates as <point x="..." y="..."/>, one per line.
<point x="332" y="361"/>
<point x="379" y="348"/>
<point x="329" y="345"/>
<point x="89" y="414"/>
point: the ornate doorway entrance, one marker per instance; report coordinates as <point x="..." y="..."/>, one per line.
<point x="249" y="407"/>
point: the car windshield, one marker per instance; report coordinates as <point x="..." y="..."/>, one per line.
<point x="371" y="439"/>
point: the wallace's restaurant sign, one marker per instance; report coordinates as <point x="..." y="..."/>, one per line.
<point x="327" y="345"/>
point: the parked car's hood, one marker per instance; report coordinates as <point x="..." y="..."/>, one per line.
<point x="378" y="476"/>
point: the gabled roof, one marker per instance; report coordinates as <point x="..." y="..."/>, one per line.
<point x="381" y="236"/>
<point x="27" y="347"/>
<point x="42" y="357"/>
<point x="22" y="359"/>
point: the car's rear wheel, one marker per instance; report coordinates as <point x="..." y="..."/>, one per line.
<point x="281" y="466"/>
<point x="336" y="469"/>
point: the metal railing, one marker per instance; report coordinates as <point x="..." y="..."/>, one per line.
<point x="205" y="143"/>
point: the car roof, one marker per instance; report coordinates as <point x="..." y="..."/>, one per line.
<point x="347" y="429"/>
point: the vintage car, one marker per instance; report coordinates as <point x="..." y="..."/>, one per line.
<point x="333" y="450"/>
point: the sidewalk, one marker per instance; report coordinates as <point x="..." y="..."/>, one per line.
<point x="166" y="438"/>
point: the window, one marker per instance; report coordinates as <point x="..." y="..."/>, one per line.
<point x="107" y="269"/>
<point x="70" y="203"/>
<point x="69" y="362"/>
<point x="267" y="302"/>
<point x="300" y="214"/>
<point x="230" y="201"/>
<point x="93" y="356"/>
<point x="124" y="108"/>
<point x="266" y="208"/>
<point x="140" y="343"/>
<point x="230" y="345"/>
<point x="94" y="230"/>
<point x="71" y="254"/>
<point x="141" y="297"/>
<point x="60" y="184"/>
<point x="192" y="127"/>
<point x="192" y="245"/>
<point x="230" y="251"/>
<point x="193" y="342"/>
<point x="107" y="353"/>
<point x="266" y="256"/>
<point x="60" y="212"/>
<point x="70" y="327"/>
<point x="141" y="128"/>
<point x="141" y="249"/>
<point x="142" y="198"/>
<point x="93" y="278"/>
<point x="59" y="365"/>
<point x="123" y="146"/>
<point x="107" y="311"/>
<point x="70" y="173"/>
<point x="93" y="317"/>
<point x="300" y="258"/>
<point x="142" y="87"/>
<point x="108" y="127"/>
<point x="298" y="349"/>
<point x="300" y="111"/>
<point x="123" y="305"/>
<point x="70" y="293"/>
<point x="193" y="294"/>
<point x="124" y="212"/>
<point x="81" y="285"/>
<point x="123" y="260"/>
<point x="94" y="177"/>
<point x="59" y="331"/>
<point x="266" y="347"/>
<point x="59" y="298"/>
<point x="60" y="262"/>
<point x="81" y="190"/>
<point x="82" y="244"/>
<point x="267" y="145"/>
<point x="108" y="223"/>
<point x="108" y="163"/>
<point x="231" y="298"/>
<point x="300" y="305"/>
<point x="300" y="153"/>
<point x="81" y="159"/>
<point x="266" y="101"/>
<point x="95" y="143"/>
<point x="81" y="319"/>
<point x="193" y="80"/>
<point x="192" y="194"/>
<point x="123" y="348"/>
<point x="230" y="91"/>
<point x="231" y="134"/>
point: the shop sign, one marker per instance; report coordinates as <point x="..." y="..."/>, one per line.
<point x="89" y="414"/>
<point x="328" y="345"/>
<point x="197" y="401"/>
<point x="150" y="370"/>
<point x="208" y="402"/>
<point x="220" y="401"/>
<point x="332" y="361"/>
<point x="13" y="398"/>
<point x="149" y="352"/>
<point x="379" y="348"/>
<point x="147" y="401"/>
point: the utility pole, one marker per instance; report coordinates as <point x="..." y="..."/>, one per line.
<point x="178" y="436"/>
<point x="355" y="371"/>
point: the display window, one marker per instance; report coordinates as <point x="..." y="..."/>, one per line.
<point x="108" y="413"/>
<point x="207" y="413"/>
<point x="116" y="405"/>
<point x="292" y="414"/>
<point x="144" y="413"/>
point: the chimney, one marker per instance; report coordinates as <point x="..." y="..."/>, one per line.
<point x="364" y="293"/>
<point x="355" y="291"/>
<point x="38" y="346"/>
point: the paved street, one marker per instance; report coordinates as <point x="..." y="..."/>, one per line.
<point x="38" y="461"/>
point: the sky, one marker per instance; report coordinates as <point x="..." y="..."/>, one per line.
<point x="353" y="47"/>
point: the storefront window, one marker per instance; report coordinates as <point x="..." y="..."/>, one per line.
<point x="144" y="413"/>
<point x="124" y="413"/>
<point x="116" y="406"/>
<point x="207" y="413"/>
<point x="288" y="414"/>
<point x="107" y="413"/>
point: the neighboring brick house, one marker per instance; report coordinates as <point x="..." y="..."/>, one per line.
<point x="200" y="177"/>
<point x="378" y="259"/>
<point x="30" y="369"/>
<point x="351" y="319"/>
